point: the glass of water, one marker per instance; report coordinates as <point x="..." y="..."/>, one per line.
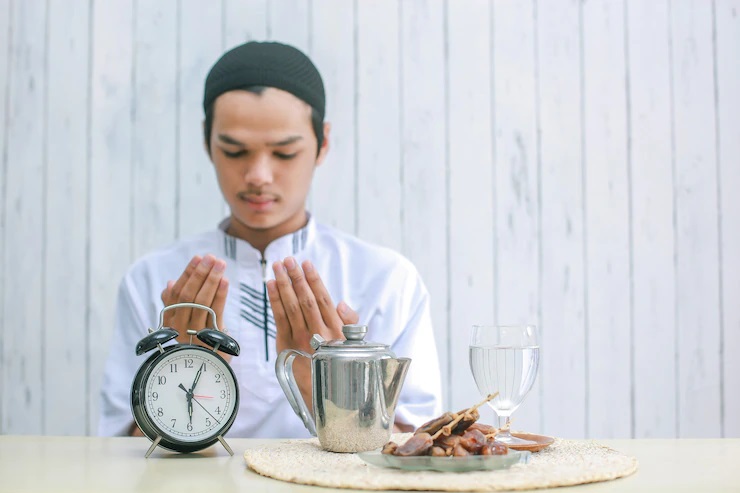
<point x="504" y="359"/>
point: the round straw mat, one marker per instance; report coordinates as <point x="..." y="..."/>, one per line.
<point x="564" y="463"/>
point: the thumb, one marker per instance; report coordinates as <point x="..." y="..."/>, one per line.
<point x="347" y="314"/>
<point x="166" y="293"/>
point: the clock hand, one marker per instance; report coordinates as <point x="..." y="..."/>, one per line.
<point x="197" y="377"/>
<point x="206" y="410"/>
<point x="190" y="393"/>
<point x="189" y="396"/>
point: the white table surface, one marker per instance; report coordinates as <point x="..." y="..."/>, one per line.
<point x="91" y="464"/>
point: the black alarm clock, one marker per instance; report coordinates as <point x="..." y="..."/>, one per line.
<point x="185" y="396"/>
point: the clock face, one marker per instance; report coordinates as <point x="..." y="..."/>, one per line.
<point x="190" y="395"/>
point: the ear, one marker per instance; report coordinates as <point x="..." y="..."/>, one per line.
<point x="324" y="145"/>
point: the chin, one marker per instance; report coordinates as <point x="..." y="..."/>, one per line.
<point x="258" y="222"/>
<point x="262" y="221"/>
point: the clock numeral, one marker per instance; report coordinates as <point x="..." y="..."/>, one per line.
<point x="190" y="427"/>
<point x="188" y="363"/>
<point x="173" y="367"/>
<point x="223" y="394"/>
<point x="173" y="422"/>
<point x="218" y="378"/>
<point x="161" y="380"/>
<point x="208" y="421"/>
<point x="218" y="410"/>
<point x="155" y="396"/>
<point x="160" y="412"/>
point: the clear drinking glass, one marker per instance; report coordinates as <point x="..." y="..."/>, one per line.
<point x="504" y="359"/>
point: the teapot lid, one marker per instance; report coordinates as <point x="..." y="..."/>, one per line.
<point x="355" y="339"/>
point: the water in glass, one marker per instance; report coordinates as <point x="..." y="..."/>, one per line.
<point x="505" y="359"/>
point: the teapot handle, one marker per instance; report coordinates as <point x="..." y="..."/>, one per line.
<point x="284" y="372"/>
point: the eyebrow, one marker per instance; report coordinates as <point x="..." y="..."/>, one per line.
<point x="230" y="140"/>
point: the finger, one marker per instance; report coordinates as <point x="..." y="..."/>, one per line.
<point x="347" y="314"/>
<point x="172" y="316"/>
<point x="283" y="336"/>
<point x="184" y="277"/>
<point x="290" y="303"/>
<point x="311" y="313"/>
<point x="207" y="295"/>
<point x="219" y="301"/>
<point x="326" y="306"/>
<point x="166" y="295"/>
<point x="191" y="289"/>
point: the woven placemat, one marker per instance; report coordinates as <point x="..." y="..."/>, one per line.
<point x="564" y="463"/>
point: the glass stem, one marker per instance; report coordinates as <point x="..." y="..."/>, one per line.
<point x="503" y="422"/>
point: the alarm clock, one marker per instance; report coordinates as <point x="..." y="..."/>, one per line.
<point x="185" y="396"/>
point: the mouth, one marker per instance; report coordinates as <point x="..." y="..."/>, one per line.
<point x="258" y="202"/>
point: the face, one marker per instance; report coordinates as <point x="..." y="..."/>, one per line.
<point x="264" y="152"/>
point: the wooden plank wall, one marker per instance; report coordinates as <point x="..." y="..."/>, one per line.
<point x="562" y="234"/>
<point x="563" y="163"/>
<point x="653" y="275"/>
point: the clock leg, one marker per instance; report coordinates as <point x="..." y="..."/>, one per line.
<point x="226" y="445"/>
<point x="154" y="445"/>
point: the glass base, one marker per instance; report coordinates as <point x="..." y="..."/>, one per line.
<point x="507" y="439"/>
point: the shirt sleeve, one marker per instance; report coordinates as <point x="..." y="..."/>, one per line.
<point x="130" y="326"/>
<point x="421" y="397"/>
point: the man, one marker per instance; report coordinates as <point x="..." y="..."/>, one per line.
<point x="265" y="135"/>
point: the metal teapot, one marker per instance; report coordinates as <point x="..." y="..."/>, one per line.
<point x="355" y="387"/>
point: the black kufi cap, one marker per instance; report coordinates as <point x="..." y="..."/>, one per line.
<point x="267" y="64"/>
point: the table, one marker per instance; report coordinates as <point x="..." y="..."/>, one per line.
<point x="91" y="464"/>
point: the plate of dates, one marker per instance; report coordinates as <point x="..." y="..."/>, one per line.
<point x="445" y="464"/>
<point x="453" y="442"/>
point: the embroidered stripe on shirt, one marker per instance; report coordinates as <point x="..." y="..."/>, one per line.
<point x="230" y="247"/>
<point x="299" y="240"/>
<point x="251" y="304"/>
<point x="249" y="317"/>
<point x="255" y="311"/>
<point x="255" y="302"/>
<point x="251" y="291"/>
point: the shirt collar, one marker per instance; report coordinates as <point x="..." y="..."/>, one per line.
<point x="288" y="245"/>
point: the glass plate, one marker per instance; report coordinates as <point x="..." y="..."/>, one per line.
<point x="446" y="464"/>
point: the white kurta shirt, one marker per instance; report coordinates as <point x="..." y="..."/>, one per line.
<point x="383" y="287"/>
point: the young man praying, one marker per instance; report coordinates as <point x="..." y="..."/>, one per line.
<point x="271" y="271"/>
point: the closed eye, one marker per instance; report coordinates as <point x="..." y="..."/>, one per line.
<point x="235" y="154"/>
<point x="285" y="157"/>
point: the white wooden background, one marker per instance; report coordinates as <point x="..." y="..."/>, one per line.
<point x="573" y="164"/>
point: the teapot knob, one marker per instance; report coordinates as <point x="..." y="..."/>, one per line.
<point x="354" y="332"/>
<point x="316" y="341"/>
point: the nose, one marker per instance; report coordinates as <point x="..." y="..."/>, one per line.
<point x="259" y="171"/>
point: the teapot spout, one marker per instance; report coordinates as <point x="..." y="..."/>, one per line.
<point x="393" y="371"/>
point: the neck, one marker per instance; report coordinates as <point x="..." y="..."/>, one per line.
<point x="259" y="238"/>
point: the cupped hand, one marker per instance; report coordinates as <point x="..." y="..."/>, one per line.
<point x="203" y="281"/>
<point x="303" y="307"/>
